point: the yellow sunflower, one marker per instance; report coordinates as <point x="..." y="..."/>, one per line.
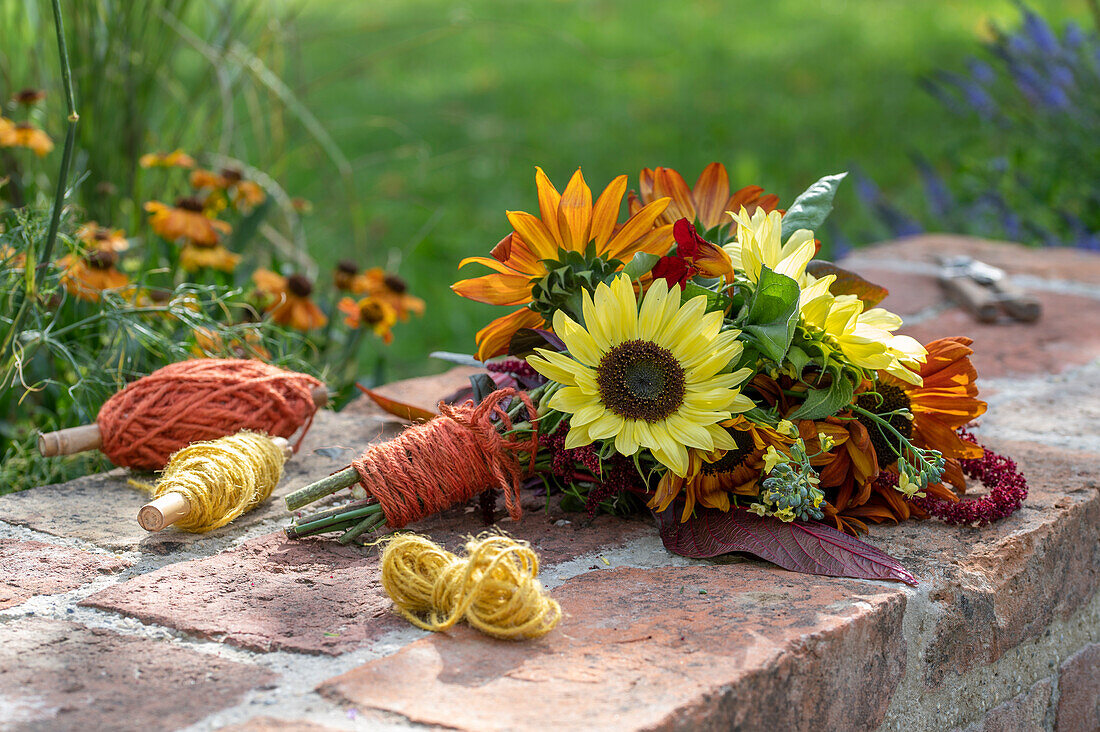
<point x="650" y="377"/>
<point x="866" y="339"/>
<point x="759" y="243"/>
<point x="567" y="222"/>
<point x="713" y="475"/>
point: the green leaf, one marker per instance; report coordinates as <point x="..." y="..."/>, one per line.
<point x="821" y="403"/>
<point x="642" y="264"/>
<point x="810" y="209"/>
<point x="772" y="313"/>
<point x="799" y="359"/>
<point x="716" y="301"/>
<point x="848" y="283"/>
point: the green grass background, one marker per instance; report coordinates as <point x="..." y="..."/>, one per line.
<point x="444" y="109"/>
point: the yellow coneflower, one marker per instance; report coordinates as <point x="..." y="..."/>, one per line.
<point x="175" y="159"/>
<point x="86" y="277"/>
<point x="291" y="302"/>
<point x="95" y="236"/>
<point x="244" y="194"/>
<point x="386" y="286"/>
<point x="370" y="312"/>
<point x="25" y="135"/>
<point x="186" y="220"/>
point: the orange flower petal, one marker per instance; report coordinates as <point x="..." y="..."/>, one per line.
<point x="493" y="339"/>
<point x="575" y="213"/>
<point x="668" y="182"/>
<point x="496" y="289"/>
<point x="549" y="198"/>
<point x="625" y="243"/>
<point x="711" y="193"/>
<point x="605" y="214"/>
<point x="535" y="234"/>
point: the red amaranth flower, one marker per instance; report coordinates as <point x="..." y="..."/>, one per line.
<point x="1007" y="490"/>
<point x="618" y="475"/>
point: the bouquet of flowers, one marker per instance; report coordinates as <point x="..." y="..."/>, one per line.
<point x="697" y="359"/>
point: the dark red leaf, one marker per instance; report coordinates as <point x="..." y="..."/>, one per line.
<point x="848" y="283"/>
<point x="810" y="548"/>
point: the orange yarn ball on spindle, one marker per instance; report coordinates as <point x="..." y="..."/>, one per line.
<point x="201" y="399"/>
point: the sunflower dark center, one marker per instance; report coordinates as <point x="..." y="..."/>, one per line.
<point x="190" y="203"/>
<point x="299" y="285"/>
<point x="736" y="457"/>
<point x="887" y="399"/>
<point x="641" y="380"/>
<point x="372" y="312"/>
<point x="232" y="175"/>
<point x="347" y="266"/>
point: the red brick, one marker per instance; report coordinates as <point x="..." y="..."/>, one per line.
<point x="1047" y="263"/>
<point x="313" y="595"/>
<point x="672" y="648"/>
<point x="34" y="568"/>
<point x="910" y="293"/>
<point x="1067" y="335"/>
<point x="1003" y="584"/>
<point x="1079" y="691"/>
<point x="58" y="675"/>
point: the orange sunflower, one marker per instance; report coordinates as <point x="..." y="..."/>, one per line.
<point x="706" y="203"/>
<point x="567" y="223"/>
<point x="370" y="312"/>
<point x="186" y="220"/>
<point x="86" y="277"/>
<point x="245" y="194"/>
<point x="291" y="302"/>
<point x="194" y="257"/>
<point x="712" y="476"/>
<point x="389" y="288"/>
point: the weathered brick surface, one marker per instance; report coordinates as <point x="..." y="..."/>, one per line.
<point x="1079" y="691"/>
<point x="423" y="392"/>
<point x="29" y="568"/>
<point x="57" y="675"/>
<point x="1026" y="712"/>
<point x="103" y="508"/>
<point x="313" y="595"/>
<point x="671" y="648"/>
<point x="273" y="724"/>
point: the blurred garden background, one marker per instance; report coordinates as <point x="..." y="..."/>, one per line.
<point x="396" y="133"/>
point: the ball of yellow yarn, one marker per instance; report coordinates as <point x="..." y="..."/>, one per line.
<point x="222" y="478"/>
<point x="494" y="588"/>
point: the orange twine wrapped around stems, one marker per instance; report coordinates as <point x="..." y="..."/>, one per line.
<point x="428" y="468"/>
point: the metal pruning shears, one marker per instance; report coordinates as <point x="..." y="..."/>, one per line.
<point x="985" y="290"/>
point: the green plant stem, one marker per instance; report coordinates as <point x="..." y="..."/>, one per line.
<point x="312" y="525"/>
<point x="368" y="524"/>
<point x="62" y="182"/>
<point x="324" y="487"/>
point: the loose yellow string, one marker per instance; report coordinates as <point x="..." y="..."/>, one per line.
<point x="221" y="479"/>
<point x="494" y="588"/>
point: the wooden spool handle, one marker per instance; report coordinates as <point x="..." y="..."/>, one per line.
<point x="162" y="512"/>
<point x="87" y="436"/>
<point x="980" y="301"/>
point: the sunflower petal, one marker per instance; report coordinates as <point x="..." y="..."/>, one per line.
<point x="711" y="193"/>
<point x="575" y="214"/>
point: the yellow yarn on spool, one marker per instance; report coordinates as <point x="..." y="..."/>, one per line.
<point x="222" y="478"/>
<point x="494" y="588"/>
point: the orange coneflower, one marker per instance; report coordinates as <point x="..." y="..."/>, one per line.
<point x="86" y="277"/>
<point x="712" y="476"/>
<point x="291" y="304"/>
<point x="706" y="203"/>
<point x="345" y="275"/>
<point x="568" y="222"/>
<point x="390" y="288"/>
<point x="186" y="220"/>
<point x="244" y="194"/>
<point x="210" y="343"/>
<point x="95" y="236"/>
<point x="28" y="97"/>
<point x="174" y="159"/>
<point x="25" y="135"/>
<point x="194" y="257"/>
<point x="372" y="312"/>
